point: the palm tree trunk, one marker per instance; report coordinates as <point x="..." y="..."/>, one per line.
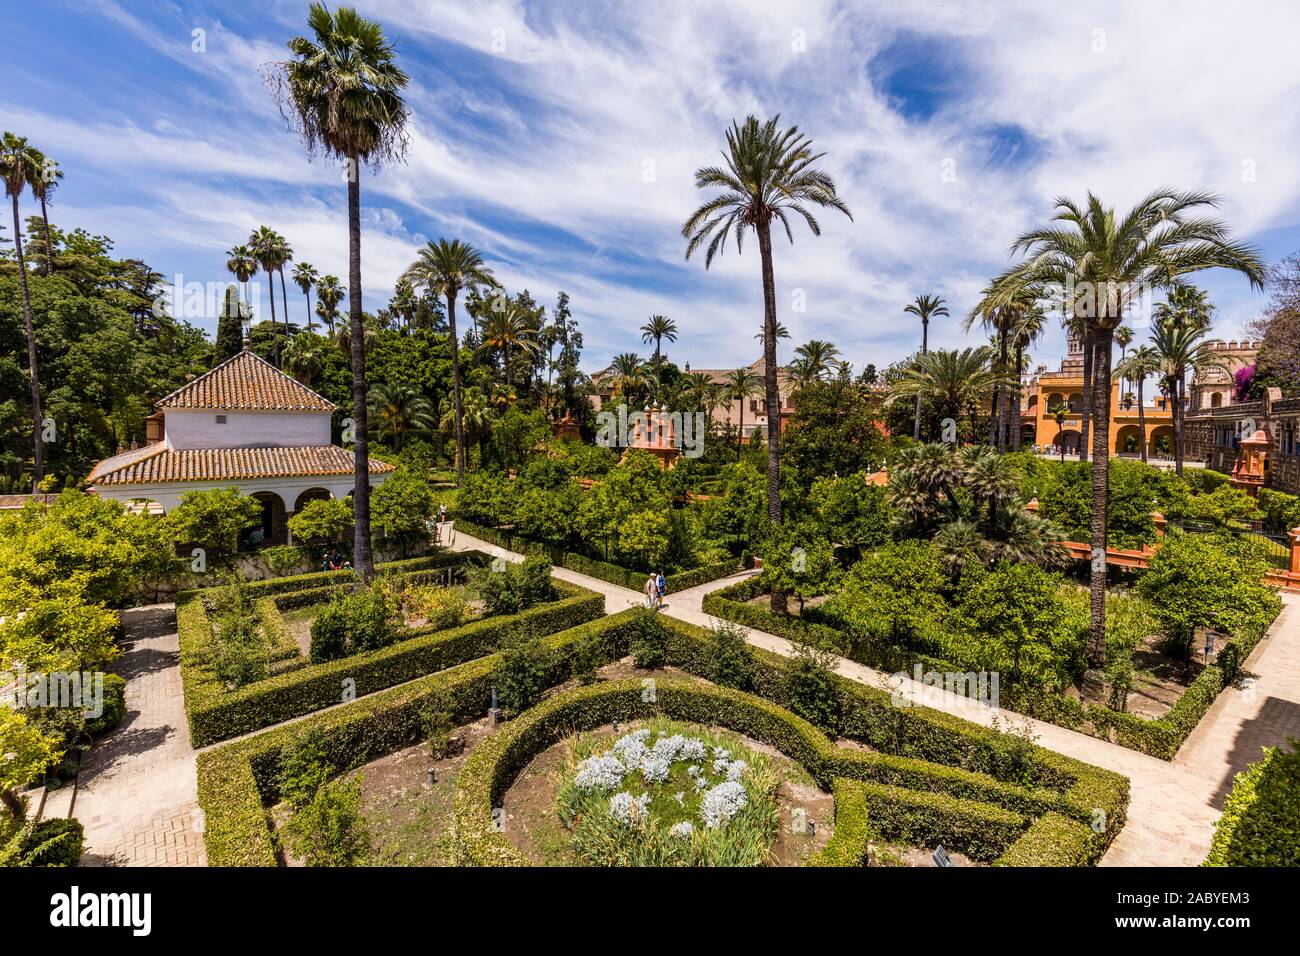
<point x="455" y="386"/>
<point x="49" y="247"/>
<point x="773" y="393"/>
<point x="1142" y="422"/>
<point x="275" y="337"/>
<point x="1096" y="652"/>
<point x="284" y="300"/>
<point x="361" y="555"/>
<point x="38" y="446"/>
<point x="307" y="293"/>
<point x="1089" y="370"/>
<point x="1004" y="403"/>
<point x="1015" y="400"/>
<point x="1179" y="387"/>
<point x="740" y="429"/>
<point x="916" y="423"/>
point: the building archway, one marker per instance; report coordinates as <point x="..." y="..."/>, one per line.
<point x="1053" y="400"/>
<point x="1216" y="400"/>
<point x="273" y="528"/>
<point x="1068" y="440"/>
<point x="311" y="494"/>
<point x="1076" y="402"/>
<point x="1162" y="441"/>
<point x="1128" y="441"/>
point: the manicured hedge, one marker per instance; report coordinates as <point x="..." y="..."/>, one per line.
<point x="592" y="567"/>
<point x="1159" y="737"/>
<point x="1052" y="840"/>
<point x="1260" y="825"/>
<point x="236" y="779"/>
<point x="216" y="713"/>
<point x="314" y="579"/>
<point x="867" y="811"/>
<point x="942" y="801"/>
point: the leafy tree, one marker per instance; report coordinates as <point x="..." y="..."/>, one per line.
<point x="322" y="519"/>
<point x="28" y="752"/>
<point x="230" y="325"/>
<point x="893" y="595"/>
<point x="834" y="431"/>
<point x="404" y="504"/>
<point x="810" y="688"/>
<point x="850" y="511"/>
<point x="728" y="658"/>
<point x="521" y="674"/>
<point x="331" y="830"/>
<point x="645" y="534"/>
<point x="799" y="560"/>
<point x="213" y="519"/>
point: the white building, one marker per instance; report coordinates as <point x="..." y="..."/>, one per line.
<point x="247" y="425"/>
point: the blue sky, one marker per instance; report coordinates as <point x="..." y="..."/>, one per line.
<point x="561" y="137"/>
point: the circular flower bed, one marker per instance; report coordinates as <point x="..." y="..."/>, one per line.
<point x="669" y="794"/>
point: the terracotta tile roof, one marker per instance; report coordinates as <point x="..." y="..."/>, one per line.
<point x="229" y="464"/>
<point x="246" y="383"/>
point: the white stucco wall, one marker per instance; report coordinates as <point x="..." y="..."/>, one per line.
<point x="186" y="428"/>
<point x="169" y="495"/>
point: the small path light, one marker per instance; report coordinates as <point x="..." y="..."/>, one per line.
<point x="432" y="776"/>
<point x="494" y="712"/>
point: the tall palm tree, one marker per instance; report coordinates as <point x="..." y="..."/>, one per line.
<point x="742" y="385"/>
<point x="1178" y="334"/>
<point x="770" y="174"/>
<point x="656" y="329"/>
<point x="342" y="93"/>
<point x="924" y="307"/>
<point x="1123" y="338"/>
<point x="242" y="264"/>
<point x="447" y="269"/>
<point x="304" y="277"/>
<point x="398" y="409"/>
<point x="1060" y="413"/>
<point x="19" y="163"/>
<point x="44" y="181"/>
<point x="1002" y="318"/>
<point x="1103" y="263"/>
<point x="476" y="418"/>
<point x="329" y="293"/>
<point x="1027" y="330"/>
<point x="270" y="249"/>
<point x="781" y="333"/>
<point x="955" y="381"/>
<point x="284" y="255"/>
<point x="1143" y="361"/>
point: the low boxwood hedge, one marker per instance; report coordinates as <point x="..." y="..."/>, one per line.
<point x="217" y="713"/>
<point x="1052" y="840"/>
<point x="917" y="748"/>
<point x="602" y="570"/>
<point x="868" y="811"/>
<point x="1160" y="737"/>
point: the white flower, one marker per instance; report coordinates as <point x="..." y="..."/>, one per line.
<point x="681" y="797"/>
<point x="625" y="808"/>
<point x="692" y="749"/>
<point x="630" y="749"/>
<point x="668" y="748"/>
<point x="722" y="803"/>
<point x="599" y="773"/>
<point x="735" y="769"/>
<point x="682" y="830"/>
<point x="654" y="769"/>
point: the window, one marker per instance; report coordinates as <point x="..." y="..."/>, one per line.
<point x="221" y="419"/>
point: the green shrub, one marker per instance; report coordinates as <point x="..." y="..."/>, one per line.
<point x="304" y="767"/>
<point x="330" y="830"/>
<point x="810" y="687"/>
<point x="322" y="520"/>
<point x="728" y="657"/>
<point x="1260" y="825"/>
<point x="521" y="675"/>
<point x="649" y="642"/>
<point x="363" y="620"/>
<point x="510" y="588"/>
<point x="436" y="724"/>
<point x="58" y="841"/>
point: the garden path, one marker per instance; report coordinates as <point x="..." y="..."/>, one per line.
<point x="1173" y="805"/>
<point x="137" y="791"/>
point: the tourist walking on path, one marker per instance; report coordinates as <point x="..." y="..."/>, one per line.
<point x="651" y="591"/>
<point x="661" y="588"/>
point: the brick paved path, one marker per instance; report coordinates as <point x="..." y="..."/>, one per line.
<point x="136" y="792"/>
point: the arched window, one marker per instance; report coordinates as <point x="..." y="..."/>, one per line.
<point x="1216" y="400"/>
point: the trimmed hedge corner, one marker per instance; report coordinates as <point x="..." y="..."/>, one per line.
<point x="1260" y="825"/>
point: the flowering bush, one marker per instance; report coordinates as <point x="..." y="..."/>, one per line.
<point x="663" y="795"/>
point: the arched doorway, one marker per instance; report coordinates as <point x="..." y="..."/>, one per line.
<point x="1128" y="441"/>
<point x="1068" y="441"/>
<point x="1028" y="434"/>
<point x="273" y="527"/>
<point x="1162" y="442"/>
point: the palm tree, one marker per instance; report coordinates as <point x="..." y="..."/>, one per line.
<point x="304" y="277"/>
<point x="924" y="307"/>
<point x="328" y="296"/>
<point x="1178" y="334"/>
<point x="242" y="264"/>
<point x="1144" y="361"/>
<point x="770" y="174"/>
<point x="658" y="328"/>
<point x="42" y="183"/>
<point x="626" y="374"/>
<point x="304" y="357"/>
<point x="446" y="269"/>
<point x="1027" y="329"/>
<point x="342" y="93"/>
<point x="1003" y="318"/>
<point x="1060" y="413"/>
<point x="781" y="333"/>
<point x="1123" y="338"/>
<point x="742" y="385"/>
<point x="270" y="250"/>
<point x="397" y="409"/>
<point x="19" y="163"/>
<point x="815" y="361"/>
<point x="476" y="418"/>
<point x="1103" y="263"/>
<point x="504" y="329"/>
<point x="954" y="381"/>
